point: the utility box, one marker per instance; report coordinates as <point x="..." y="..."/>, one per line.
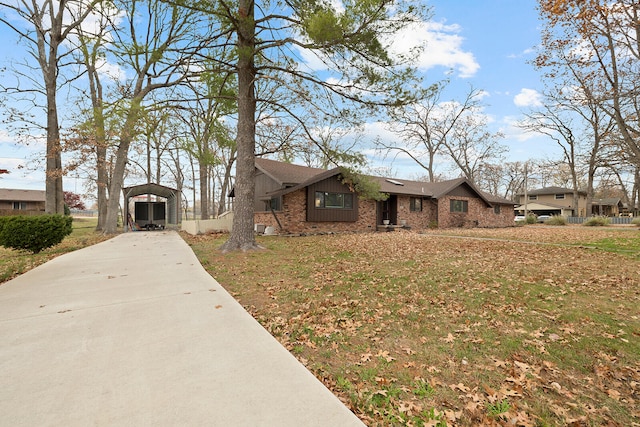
<point x="150" y="215"/>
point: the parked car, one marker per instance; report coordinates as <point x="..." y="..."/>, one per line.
<point x="520" y="218"/>
<point x="543" y="218"/>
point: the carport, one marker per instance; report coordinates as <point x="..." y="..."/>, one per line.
<point x="172" y="203"/>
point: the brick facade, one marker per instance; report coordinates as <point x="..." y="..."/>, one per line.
<point x="426" y="218"/>
<point x="478" y="214"/>
<point x="434" y="213"/>
<point x="293" y="217"/>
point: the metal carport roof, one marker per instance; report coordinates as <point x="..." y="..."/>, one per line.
<point x="171" y="194"/>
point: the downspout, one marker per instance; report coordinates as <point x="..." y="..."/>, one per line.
<point x="275" y="216"/>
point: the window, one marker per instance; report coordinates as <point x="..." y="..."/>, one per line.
<point x="415" y="204"/>
<point x="274" y="204"/>
<point x="533" y="197"/>
<point x="22" y="206"/>
<point x="459" y="206"/>
<point x="496" y="209"/>
<point x="559" y="196"/>
<point x="334" y="200"/>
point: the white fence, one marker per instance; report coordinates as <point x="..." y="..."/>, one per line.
<point x="201" y="226"/>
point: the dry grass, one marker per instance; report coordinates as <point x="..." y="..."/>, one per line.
<point x="528" y="326"/>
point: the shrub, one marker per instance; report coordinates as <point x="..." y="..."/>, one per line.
<point x="34" y="233"/>
<point x="636" y="221"/>
<point x="597" y="221"/>
<point x="556" y="220"/>
<point x="531" y="219"/>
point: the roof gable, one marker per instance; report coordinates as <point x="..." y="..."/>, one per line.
<point x="286" y="174"/>
<point x="314" y="179"/>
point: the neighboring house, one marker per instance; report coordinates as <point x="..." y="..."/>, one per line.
<point x="608" y="207"/>
<point x="21" y="202"/>
<point x="297" y="199"/>
<point x="552" y="201"/>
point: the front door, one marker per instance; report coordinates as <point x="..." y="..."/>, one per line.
<point x="388" y="210"/>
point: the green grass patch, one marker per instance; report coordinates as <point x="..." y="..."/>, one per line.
<point x="628" y="246"/>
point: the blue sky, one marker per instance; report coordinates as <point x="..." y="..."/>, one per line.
<point x="489" y="44"/>
<point x="485" y="43"/>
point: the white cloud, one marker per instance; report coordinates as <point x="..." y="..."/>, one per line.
<point x="512" y="132"/>
<point x="5" y="137"/>
<point x="528" y="98"/>
<point x="524" y="53"/>
<point x="112" y="71"/>
<point x="443" y="47"/>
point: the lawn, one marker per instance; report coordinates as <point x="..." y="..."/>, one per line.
<point x="14" y="263"/>
<point x="530" y="326"/>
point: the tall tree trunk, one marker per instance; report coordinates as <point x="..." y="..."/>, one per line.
<point x="102" y="176"/>
<point x="204" y="194"/>
<point x="225" y="184"/>
<point x="242" y="236"/>
<point x="193" y="188"/>
<point x="117" y="179"/>
<point x="54" y="195"/>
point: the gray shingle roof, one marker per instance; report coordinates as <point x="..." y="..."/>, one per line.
<point x="550" y="190"/>
<point x="287" y="174"/>
<point x="14" y="195"/>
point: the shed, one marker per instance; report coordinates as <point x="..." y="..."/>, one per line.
<point x="171" y="195"/>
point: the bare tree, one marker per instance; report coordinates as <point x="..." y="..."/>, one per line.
<point x="159" y="45"/>
<point x="90" y="50"/>
<point x="472" y="145"/>
<point x="600" y="41"/>
<point x="49" y="24"/>
<point x="456" y="130"/>
<point x="204" y="105"/>
<point x="555" y="121"/>
<point x="425" y="126"/>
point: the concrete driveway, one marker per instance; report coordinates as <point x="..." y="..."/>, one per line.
<point x="134" y="332"/>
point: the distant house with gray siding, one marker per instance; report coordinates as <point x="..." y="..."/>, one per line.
<point x="21" y="202"/>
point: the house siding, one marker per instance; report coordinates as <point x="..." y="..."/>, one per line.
<point x="478" y="214"/>
<point x="417" y="220"/>
<point x="297" y="212"/>
<point x="566" y="203"/>
<point x="31" y="208"/>
<point x="293" y="217"/>
<point x="331" y="185"/>
<point x="264" y="185"/>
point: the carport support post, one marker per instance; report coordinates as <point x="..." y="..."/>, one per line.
<point x="125" y="217"/>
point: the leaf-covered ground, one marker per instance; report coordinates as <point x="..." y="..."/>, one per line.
<point x="528" y="326"/>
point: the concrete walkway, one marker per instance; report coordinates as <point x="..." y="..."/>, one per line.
<point x="134" y="332"/>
